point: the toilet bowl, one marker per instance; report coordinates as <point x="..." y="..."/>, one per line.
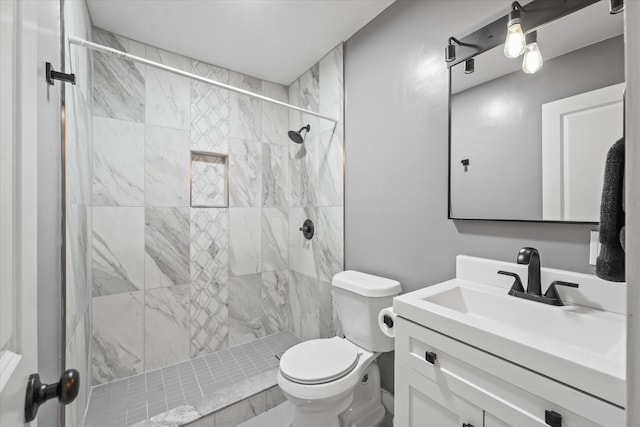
<point x="335" y="382"/>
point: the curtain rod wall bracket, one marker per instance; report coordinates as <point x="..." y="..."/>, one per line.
<point x="52" y="75"/>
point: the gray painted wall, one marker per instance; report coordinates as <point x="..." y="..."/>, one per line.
<point x="505" y="151"/>
<point x="396" y="156"/>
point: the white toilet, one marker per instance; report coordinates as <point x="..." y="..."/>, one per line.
<point x="335" y="382"/>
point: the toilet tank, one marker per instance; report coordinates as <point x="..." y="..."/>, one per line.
<point x="359" y="298"/>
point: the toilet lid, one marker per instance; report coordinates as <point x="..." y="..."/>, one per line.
<point x="319" y="361"/>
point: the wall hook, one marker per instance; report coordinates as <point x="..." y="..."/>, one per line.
<point x="51" y="75"/>
<point x="465" y="163"/>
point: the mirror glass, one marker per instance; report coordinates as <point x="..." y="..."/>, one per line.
<point x="532" y="147"/>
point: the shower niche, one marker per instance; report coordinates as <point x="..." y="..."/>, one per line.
<point x="209" y="183"/>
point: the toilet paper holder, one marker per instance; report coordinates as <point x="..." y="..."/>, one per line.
<point x="388" y="320"/>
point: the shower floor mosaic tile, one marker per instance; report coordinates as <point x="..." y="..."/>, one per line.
<point x="132" y="400"/>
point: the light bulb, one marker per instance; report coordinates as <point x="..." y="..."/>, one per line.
<point x="532" y="61"/>
<point x="514" y="44"/>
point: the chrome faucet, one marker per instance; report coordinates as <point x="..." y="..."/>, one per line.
<point x="531" y="257"/>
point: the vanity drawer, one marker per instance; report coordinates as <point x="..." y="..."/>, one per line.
<point x="510" y="393"/>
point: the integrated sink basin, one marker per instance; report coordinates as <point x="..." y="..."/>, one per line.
<point x="577" y="345"/>
<point x="587" y="330"/>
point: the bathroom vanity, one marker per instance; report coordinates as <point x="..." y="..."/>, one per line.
<point x="468" y="354"/>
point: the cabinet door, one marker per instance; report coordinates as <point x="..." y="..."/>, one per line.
<point x="421" y="402"/>
<point x="491" y="421"/>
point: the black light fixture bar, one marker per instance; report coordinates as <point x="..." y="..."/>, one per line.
<point x="538" y="13"/>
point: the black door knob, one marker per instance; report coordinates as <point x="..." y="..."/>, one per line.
<point x="66" y="390"/>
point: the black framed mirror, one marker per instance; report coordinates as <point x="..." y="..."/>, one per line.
<point x="532" y="147"/>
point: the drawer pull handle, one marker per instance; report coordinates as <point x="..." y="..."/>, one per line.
<point x="467" y="425"/>
<point x="431" y="358"/>
<point x="552" y="418"/>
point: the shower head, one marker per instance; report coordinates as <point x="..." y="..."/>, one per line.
<point x="296" y="136"/>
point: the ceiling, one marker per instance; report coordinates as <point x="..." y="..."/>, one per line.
<point x="274" y="40"/>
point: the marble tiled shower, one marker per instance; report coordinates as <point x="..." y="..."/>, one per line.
<point x="165" y="282"/>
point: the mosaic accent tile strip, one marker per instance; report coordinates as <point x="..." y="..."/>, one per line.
<point x="209" y="245"/>
<point x="138" y="398"/>
<point x="209" y="110"/>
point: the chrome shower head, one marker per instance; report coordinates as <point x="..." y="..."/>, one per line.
<point x="296" y="136"/>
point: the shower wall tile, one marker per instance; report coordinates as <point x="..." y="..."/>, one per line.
<point x="274" y="117"/>
<point x="245" y="309"/>
<point x="78" y="251"/>
<point x="329" y="254"/>
<point x="166" y="247"/>
<point x="245" y="166"/>
<point x="295" y="117"/>
<point x="303" y="173"/>
<point x="303" y="297"/>
<point x="337" y="322"/>
<point x="245" y="241"/>
<point x="330" y="168"/>
<point x="302" y="252"/>
<point x="275" y="175"/>
<point x="78" y="160"/>
<point x="117" y="336"/>
<point x="78" y="147"/>
<point x="118" y="250"/>
<point x="308" y="96"/>
<point x="331" y="89"/>
<point x="166" y="326"/>
<point x="76" y="357"/>
<point x="118" y="156"/>
<point x="118" y="84"/>
<point x="209" y="241"/>
<point x="209" y="317"/>
<point x="276" y="311"/>
<point x="167" y="159"/>
<point x="78" y="23"/>
<point x="326" y="325"/>
<point x="275" y="245"/>
<point x="209" y="110"/>
<point x="245" y="113"/>
<point x="168" y="96"/>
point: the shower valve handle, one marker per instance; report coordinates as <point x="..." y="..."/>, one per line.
<point x="307" y="229"/>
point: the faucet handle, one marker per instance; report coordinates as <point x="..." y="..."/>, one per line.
<point x="517" y="284"/>
<point x="552" y="292"/>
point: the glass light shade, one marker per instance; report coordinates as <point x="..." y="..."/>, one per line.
<point x="515" y="43"/>
<point x="532" y="59"/>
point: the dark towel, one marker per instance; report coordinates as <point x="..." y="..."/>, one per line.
<point x="610" y="262"/>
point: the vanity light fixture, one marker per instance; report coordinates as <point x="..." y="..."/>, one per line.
<point x="514" y="45"/>
<point x="469" y="66"/>
<point x="616" y="6"/>
<point x="533" y="60"/>
<point x="450" y="50"/>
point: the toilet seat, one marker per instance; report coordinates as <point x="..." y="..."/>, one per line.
<point x="319" y="361"/>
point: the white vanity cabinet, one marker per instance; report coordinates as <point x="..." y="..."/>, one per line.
<point x="441" y="382"/>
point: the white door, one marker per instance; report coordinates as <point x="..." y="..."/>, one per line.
<point x="577" y="132"/>
<point x="21" y="83"/>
